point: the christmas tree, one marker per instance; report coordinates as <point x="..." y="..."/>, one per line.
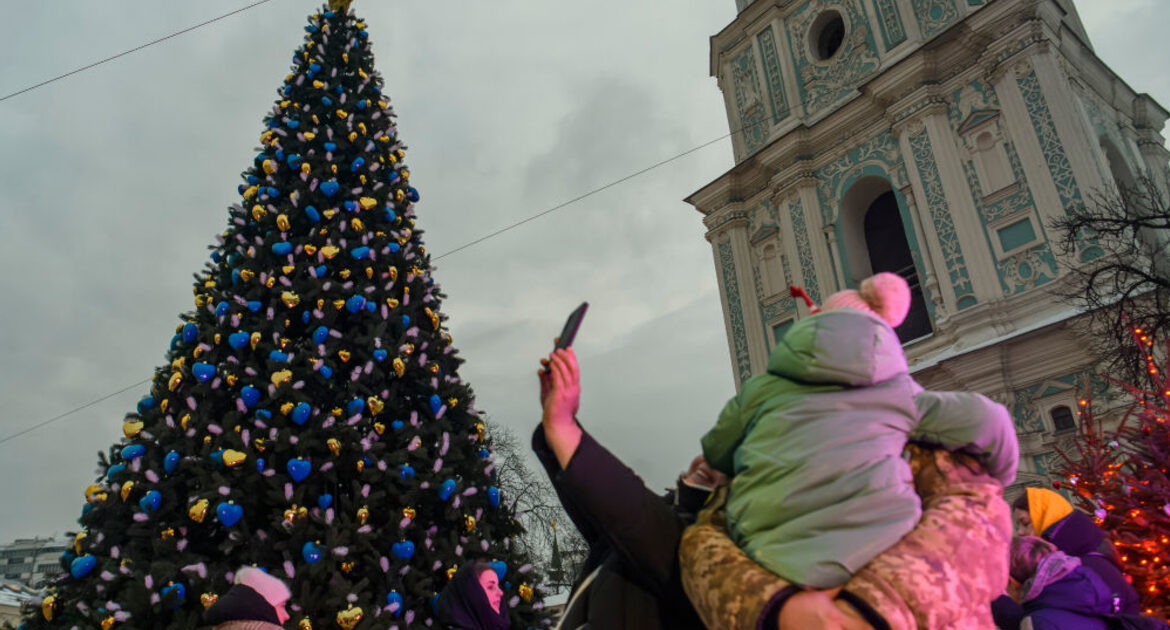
<point x="1120" y="476"/>
<point x="309" y="419"/>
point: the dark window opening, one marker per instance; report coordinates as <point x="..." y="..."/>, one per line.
<point x="885" y="238"/>
<point x="1062" y="419"/>
<point x="827" y="35"/>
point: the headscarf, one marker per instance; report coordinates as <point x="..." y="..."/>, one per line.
<point x="1050" y="570"/>
<point x="1046" y="508"/>
<point x="463" y="605"/>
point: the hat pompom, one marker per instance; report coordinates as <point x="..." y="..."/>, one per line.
<point x="888" y="295"/>
<point x="272" y="589"/>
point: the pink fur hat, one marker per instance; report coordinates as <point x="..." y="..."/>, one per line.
<point x="272" y="589"/>
<point x="884" y="294"/>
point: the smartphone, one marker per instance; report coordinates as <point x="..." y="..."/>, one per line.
<point x="569" y="333"/>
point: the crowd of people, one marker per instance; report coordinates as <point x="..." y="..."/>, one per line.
<point x="832" y="493"/>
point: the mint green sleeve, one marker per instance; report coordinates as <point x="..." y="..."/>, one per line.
<point x="721" y="441"/>
<point x="971" y="422"/>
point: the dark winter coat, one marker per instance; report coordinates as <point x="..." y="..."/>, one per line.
<point x="1077" y="601"/>
<point x="1079" y="536"/>
<point x="631" y="578"/>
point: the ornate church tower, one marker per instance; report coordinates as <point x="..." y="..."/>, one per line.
<point x="937" y="139"/>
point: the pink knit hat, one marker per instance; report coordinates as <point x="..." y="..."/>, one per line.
<point x="272" y="589"/>
<point x="884" y="294"/>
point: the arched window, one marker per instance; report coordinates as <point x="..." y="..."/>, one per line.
<point x="1118" y="167"/>
<point x="1062" y="419"/>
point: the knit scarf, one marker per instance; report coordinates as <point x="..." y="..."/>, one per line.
<point x="1051" y="570"/>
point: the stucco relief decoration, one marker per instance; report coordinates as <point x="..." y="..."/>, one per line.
<point x="934" y="16"/>
<point x="944" y="226"/>
<point x="752" y="117"/>
<point x="772" y="75"/>
<point x="882" y="150"/>
<point x="824" y="83"/>
<point x="893" y="32"/>
<point x="804" y="250"/>
<point x="1058" y="164"/>
<point x="743" y="367"/>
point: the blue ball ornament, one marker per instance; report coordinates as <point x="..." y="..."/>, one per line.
<point x="406" y="321"/>
<point x="355" y="406"/>
<point x="330" y="146"/>
<point x="171" y="462"/>
<point x="371" y="306"/>
<point x="494" y="496"/>
<point x="394" y="247"/>
<point x="217" y="456"/>
<point x="483" y="453"/>
<point x="238" y="340"/>
<point x="500" y="567"/>
<point x="326" y="371"/>
<point x="264" y="414"/>
<point x="300" y="413"/>
<point x="412" y="194"/>
<point x="81" y="566"/>
<point x="282" y="248"/>
<point x="397" y="425"/>
<point x="358" y="253"/>
<point x="255" y="305"/>
<point x="259" y="464"/>
<point x="299" y="469"/>
<point x="350" y="206"/>
<point x="293" y="160"/>
<point x="229" y="513"/>
<point x="312" y="213"/>
<point x="320" y="334"/>
<point x="404" y="549"/>
<point x="190" y="333"/>
<point x="178" y="591"/>
<point x="133" y="452"/>
<point x="406" y="472"/>
<point x="446" y="489"/>
<point x="252" y="179"/>
<point x="355" y="303"/>
<point x="330" y="188"/>
<point x="325" y="501"/>
<point x="236" y="279"/>
<point x="436" y="403"/>
<point x="311" y="552"/>
<point x="322" y="270"/>
<point x="278" y="356"/>
<point x="221" y="309"/>
<point x="293" y="124"/>
<point x="150" y="501"/>
<point x="394" y="177"/>
<point x="146" y="404"/>
<point x="250" y="395"/>
<point x="380" y="355"/>
<point x="357" y="164"/>
<point x="394" y="603"/>
<point x="390" y="216"/>
<point x="203" y="371"/>
<point x="327" y="102"/>
<point x="114" y="471"/>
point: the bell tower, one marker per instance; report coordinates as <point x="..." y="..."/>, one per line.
<point x="937" y="139"/>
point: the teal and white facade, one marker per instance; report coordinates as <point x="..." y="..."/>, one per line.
<point x="938" y="139"/>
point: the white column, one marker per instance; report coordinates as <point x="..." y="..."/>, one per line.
<point x="823" y="265"/>
<point x="921" y="216"/>
<point x="757" y="342"/>
<point x="1078" y="140"/>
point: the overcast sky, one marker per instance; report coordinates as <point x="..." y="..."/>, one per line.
<point x="114" y="181"/>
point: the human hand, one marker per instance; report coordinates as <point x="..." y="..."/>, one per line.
<point x="560" y="385"/>
<point x="818" y="610"/>
<point x="701" y="475"/>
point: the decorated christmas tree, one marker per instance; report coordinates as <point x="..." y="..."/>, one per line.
<point x="309" y="419"/>
<point x="1120" y="476"/>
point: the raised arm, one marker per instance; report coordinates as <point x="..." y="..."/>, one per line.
<point x="720" y="442"/>
<point x="970" y="422"/>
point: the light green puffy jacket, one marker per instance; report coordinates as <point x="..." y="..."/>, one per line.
<point x="815" y="446"/>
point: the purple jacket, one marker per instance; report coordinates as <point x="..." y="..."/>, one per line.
<point x="1077" y="601"/>
<point x="1078" y="535"/>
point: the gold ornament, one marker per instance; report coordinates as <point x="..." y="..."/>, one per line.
<point x="233" y="458"/>
<point x="320" y="85"/>
<point x="108" y="622"/>
<point x="127" y="488"/>
<point x="175" y="381"/>
<point x="198" y="511"/>
<point x="258" y="212"/>
<point x="353" y="136"/>
<point x="131" y="428"/>
<point x="162" y="406"/>
<point x="305" y="624"/>
<point x="357" y="225"/>
<point x="185" y="421"/>
<point x="330" y="250"/>
<point x="338" y="304"/>
<point x="260" y="444"/>
<point x="433" y="316"/>
<point x="309" y="135"/>
<point x="361" y="465"/>
<point x="392" y="303"/>
<point x="469" y="522"/>
<point x="393" y="271"/>
<point x="295" y="513"/>
<point x="363" y="514"/>
<point x="376" y="405"/>
<point x="271" y="282"/>
<point x="254" y="340"/>
<point x="287" y="269"/>
<point x="331" y="212"/>
<point x="231" y="380"/>
<point x="525" y="592"/>
<point x="207" y="599"/>
<point x="286" y="408"/>
<point x="77" y="542"/>
<point x="281" y="377"/>
<point x="207" y="439"/>
<point x="350" y="617"/>
<point x="346" y="567"/>
<point x="290" y="299"/>
<point x="250" y="192"/>
<point x="217" y="338"/>
<point x="310" y="250"/>
<point x="269" y="167"/>
<point x="343" y="355"/>
<point x="367" y="202"/>
<point x="451" y="402"/>
<point x="369" y="273"/>
<point x="451" y="572"/>
<point x="409" y="513"/>
<point x="47" y="606"/>
<point x="344" y="273"/>
<point x="379" y="428"/>
<point x="167" y="533"/>
<point x="399" y="367"/>
<point x="336" y="411"/>
<point x="480" y="431"/>
<point x="282" y="222"/>
<point x="247" y="274"/>
<point x="334" y="445"/>
<point x="341" y="113"/>
<point x="408" y="349"/>
<point x="305" y="168"/>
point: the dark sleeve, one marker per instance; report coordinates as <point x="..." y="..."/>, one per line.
<point x="1076" y="534"/>
<point x="610" y="502"/>
<point x="1006" y="613"/>
<point x="581" y="520"/>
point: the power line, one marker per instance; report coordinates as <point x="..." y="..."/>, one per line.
<point x="133" y="50"/>
<point x="71" y="411"/>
